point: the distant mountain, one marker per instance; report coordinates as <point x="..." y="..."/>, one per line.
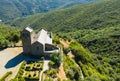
<point x="10" y="9"/>
<point x="88" y="16"/>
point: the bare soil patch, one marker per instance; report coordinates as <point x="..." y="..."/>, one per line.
<point x="61" y="74"/>
<point x="66" y="45"/>
<point x="71" y="55"/>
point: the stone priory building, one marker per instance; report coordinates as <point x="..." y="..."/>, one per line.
<point x="37" y="44"/>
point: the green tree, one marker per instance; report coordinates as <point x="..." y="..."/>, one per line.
<point x="56" y="57"/>
<point x="51" y="63"/>
<point x="66" y="50"/>
<point x="4" y="43"/>
<point x="15" y="38"/>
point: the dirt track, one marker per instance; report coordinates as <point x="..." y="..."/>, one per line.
<point x="64" y="43"/>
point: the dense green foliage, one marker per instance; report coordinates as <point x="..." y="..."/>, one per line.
<point x="52" y="72"/>
<point x="71" y="69"/>
<point x="105" y="43"/>
<point x="10" y="9"/>
<point x="8" y="35"/>
<point x="56" y="57"/>
<point x="87" y="16"/>
<point x="93" y="65"/>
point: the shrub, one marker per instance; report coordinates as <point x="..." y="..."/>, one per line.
<point x="51" y="63"/>
<point x="51" y="72"/>
<point x="66" y="50"/>
<point x="4" y="43"/>
<point x="27" y="68"/>
<point x="70" y="74"/>
<point x="5" y="76"/>
<point x="48" y="79"/>
<point x="56" y="57"/>
<point x="42" y="58"/>
<point x="56" y="40"/>
<point x="38" y="65"/>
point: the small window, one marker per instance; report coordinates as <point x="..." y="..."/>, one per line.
<point x="37" y="48"/>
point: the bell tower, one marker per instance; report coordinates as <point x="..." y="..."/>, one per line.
<point x="27" y="39"/>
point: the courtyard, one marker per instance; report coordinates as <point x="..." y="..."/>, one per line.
<point x="10" y="60"/>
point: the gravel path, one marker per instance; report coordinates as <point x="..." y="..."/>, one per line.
<point x="45" y="67"/>
<point x="10" y="60"/>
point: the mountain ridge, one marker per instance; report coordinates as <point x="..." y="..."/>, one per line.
<point x="88" y="16"/>
<point x="18" y="8"/>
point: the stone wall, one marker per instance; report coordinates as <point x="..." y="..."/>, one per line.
<point x="37" y="49"/>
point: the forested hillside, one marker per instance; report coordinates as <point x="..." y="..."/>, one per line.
<point x="94" y="67"/>
<point x="105" y="43"/>
<point x="89" y="16"/>
<point x="10" y="9"/>
<point x="8" y="36"/>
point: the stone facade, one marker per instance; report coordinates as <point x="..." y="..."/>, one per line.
<point x="37" y="44"/>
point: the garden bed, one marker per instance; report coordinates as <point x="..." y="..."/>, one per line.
<point x="5" y="76"/>
<point x="30" y="71"/>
